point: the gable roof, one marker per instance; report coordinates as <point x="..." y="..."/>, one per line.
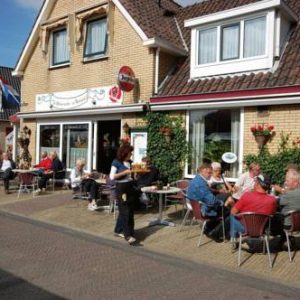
<point x="150" y="18"/>
<point x="286" y="74"/>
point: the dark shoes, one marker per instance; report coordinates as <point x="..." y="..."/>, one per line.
<point x="6" y="191"/>
<point x="214" y="235"/>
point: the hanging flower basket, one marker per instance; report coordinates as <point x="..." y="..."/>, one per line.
<point x="167" y="132"/>
<point x="261" y="139"/>
<point x="262" y="133"/>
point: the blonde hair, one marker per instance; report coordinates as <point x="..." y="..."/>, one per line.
<point x="80" y="162"/>
<point x="215" y="165"/>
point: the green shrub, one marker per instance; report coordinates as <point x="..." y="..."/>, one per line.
<point x="275" y="164"/>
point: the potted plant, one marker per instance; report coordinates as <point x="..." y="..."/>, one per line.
<point x="167" y="132"/>
<point x="262" y="133"/>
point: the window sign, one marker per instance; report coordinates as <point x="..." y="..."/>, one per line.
<point x="139" y="142"/>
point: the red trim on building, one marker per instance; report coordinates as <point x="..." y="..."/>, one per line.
<point x="231" y="94"/>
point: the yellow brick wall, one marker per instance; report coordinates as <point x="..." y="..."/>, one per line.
<point x="124" y="49"/>
<point x="283" y="118"/>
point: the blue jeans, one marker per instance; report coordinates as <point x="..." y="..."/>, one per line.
<point x="235" y="227"/>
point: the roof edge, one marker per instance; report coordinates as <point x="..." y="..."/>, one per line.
<point x="157" y="42"/>
<point x="33" y="37"/>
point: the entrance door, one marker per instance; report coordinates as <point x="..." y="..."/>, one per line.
<point x="108" y="143"/>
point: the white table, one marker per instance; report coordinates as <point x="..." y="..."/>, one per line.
<point x="161" y="193"/>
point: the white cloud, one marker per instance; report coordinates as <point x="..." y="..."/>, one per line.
<point x="31" y="4"/>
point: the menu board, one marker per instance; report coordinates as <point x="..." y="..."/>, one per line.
<point x="139" y="142"/>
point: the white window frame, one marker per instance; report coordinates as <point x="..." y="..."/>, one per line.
<point x="234" y="65"/>
<point x="61" y="124"/>
<point x="241" y="143"/>
<point x="66" y="63"/>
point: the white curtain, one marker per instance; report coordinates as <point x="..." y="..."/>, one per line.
<point x="235" y="133"/>
<point x="60" y="47"/>
<point x="255" y="37"/>
<point x="230" y="42"/>
<point x="96" y="37"/>
<point x="207" y="52"/>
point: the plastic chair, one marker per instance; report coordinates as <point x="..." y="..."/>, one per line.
<point x="256" y="226"/>
<point x="28" y="183"/>
<point x="189" y="210"/>
<point x="198" y="217"/>
<point x="295" y="227"/>
<point x="179" y="197"/>
<point x="65" y="182"/>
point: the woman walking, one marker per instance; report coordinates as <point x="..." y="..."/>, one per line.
<point x="126" y="194"/>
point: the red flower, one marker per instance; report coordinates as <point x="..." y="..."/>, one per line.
<point x="262" y="129"/>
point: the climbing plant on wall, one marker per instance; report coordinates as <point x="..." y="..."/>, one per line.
<point x="167" y="145"/>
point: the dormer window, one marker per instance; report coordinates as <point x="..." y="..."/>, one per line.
<point x="232" y="42"/>
<point x="238" y="40"/>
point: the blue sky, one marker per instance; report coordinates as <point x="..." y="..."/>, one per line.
<point x="16" y="21"/>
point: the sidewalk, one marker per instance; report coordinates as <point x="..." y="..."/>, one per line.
<point x="60" y="209"/>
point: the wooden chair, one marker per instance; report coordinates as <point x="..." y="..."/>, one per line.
<point x="27" y="183"/>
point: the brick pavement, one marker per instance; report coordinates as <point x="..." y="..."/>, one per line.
<point x="60" y="209"/>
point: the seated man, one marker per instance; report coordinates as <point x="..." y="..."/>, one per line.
<point x="256" y="201"/>
<point x="199" y="190"/>
<point x="245" y="183"/>
<point x="6" y="167"/>
<point x="290" y="199"/>
<point x="44" y="164"/>
<point x="57" y="170"/>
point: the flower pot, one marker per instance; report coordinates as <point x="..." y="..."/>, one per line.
<point x="167" y="136"/>
<point x="261" y="139"/>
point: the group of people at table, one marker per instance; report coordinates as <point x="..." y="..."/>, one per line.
<point x="219" y="198"/>
<point x="50" y="166"/>
<point x="251" y="193"/>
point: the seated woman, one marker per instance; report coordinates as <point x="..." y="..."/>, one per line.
<point x="216" y="182"/>
<point x="84" y="181"/>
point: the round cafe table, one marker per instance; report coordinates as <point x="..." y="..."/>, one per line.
<point x="161" y="193"/>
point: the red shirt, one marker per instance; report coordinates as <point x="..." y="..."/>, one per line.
<point x="257" y="202"/>
<point x="45" y="163"/>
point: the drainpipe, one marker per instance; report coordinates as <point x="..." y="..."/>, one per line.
<point x="156" y="79"/>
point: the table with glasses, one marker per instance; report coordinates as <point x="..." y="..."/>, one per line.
<point x="161" y="194"/>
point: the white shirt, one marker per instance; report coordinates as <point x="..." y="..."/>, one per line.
<point x="6" y="164"/>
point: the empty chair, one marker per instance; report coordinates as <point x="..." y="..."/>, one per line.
<point x="178" y="197"/>
<point x="256" y="226"/>
<point x="28" y="183"/>
<point x="295" y="227"/>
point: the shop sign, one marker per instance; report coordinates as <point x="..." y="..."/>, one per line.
<point x="126" y="79"/>
<point x="79" y="99"/>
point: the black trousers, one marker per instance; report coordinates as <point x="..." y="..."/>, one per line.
<point x="7" y="175"/>
<point x="127" y="198"/>
<point x="92" y="187"/>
